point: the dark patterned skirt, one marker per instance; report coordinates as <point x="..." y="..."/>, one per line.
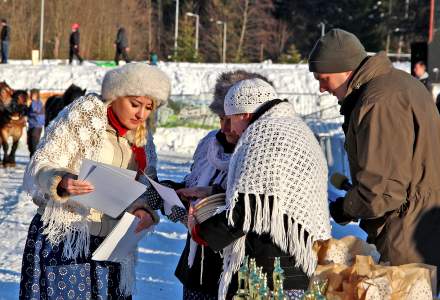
<point x="193" y="294"/>
<point x="46" y="274"/>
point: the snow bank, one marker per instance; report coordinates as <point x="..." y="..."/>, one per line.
<point x="186" y="78"/>
<point x="181" y="140"/>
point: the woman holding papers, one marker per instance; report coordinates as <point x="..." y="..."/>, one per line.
<point x="108" y="128"/>
<point x="199" y="267"/>
<point x="276" y="195"/>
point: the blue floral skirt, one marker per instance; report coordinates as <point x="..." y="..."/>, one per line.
<point x="46" y="274"/>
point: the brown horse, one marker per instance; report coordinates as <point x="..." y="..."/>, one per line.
<point x="12" y="120"/>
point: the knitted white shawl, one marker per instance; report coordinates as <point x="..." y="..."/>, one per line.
<point x="278" y="156"/>
<point x="78" y="132"/>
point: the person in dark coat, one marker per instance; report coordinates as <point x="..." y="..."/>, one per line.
<point x="421" y="74"/>
<point x="392" y="140"/>
<point x="121" y="45"/>
<point x="5" y="37"/>
<point x="74" y="43"/>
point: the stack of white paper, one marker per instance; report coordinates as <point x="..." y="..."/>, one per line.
<point x="121" y="241"/>
<point x="114" y="188"/>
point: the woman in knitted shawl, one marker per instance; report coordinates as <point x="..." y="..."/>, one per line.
<point x="63" y="234"/>
<point x="276" y="196"/>
<point x="199" y="267"/>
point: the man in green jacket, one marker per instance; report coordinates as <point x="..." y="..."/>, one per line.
<point x="392" y="131"/>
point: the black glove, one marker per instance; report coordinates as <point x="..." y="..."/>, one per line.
<point x="178" y="214"/>
<point x="337" y="212"/>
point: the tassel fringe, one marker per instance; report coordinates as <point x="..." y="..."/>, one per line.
<point x="292" y="240"/>
<point x="61" y="225"/>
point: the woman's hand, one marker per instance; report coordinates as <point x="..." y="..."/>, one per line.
<point x="145" y="222"/>
<point x="72" y="186"/>
<point x="197" y="192"/>
<point x="191" y="219"/>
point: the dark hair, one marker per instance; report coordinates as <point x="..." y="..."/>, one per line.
<point x="224" y="83"/>
<point x="4" y="21"/>
<point x="35" y="91"/>
<point x="420" y="62"/>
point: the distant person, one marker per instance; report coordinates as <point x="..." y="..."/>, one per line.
<point x="5" y="37"/>
<point x="121" y="44"/>
<point x="35" y="121"/>
<point x="74" y="44"/>
<point x="421" y="74"/>
<point x="153" y="58"/>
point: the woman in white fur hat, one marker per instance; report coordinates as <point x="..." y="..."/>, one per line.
<point x="276" y="195"/>
<point x="111" y="129"/>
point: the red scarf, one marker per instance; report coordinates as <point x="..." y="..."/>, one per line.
<point x="139" y="152"/>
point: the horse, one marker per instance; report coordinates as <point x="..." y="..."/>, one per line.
<point x="5" y="95"/>
<point x="12" y="122"/>
<point x="55" y="104"/>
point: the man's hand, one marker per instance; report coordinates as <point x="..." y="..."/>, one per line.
<point x="337" y="212"/>
<point x="145" y="222"/>
<point x="72" y="186"/>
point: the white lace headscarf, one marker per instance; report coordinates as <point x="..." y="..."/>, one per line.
<point x="279" y="157"/>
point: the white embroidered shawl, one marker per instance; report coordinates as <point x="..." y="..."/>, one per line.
<point x="278" y="156"/>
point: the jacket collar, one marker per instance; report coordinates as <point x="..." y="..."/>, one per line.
<point x="116" y="128"/>
<point x="115" y="123"/>
<point x="370" y="68"/>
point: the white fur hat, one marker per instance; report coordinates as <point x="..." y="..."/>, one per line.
<point x="246" y="96"/>
<point x="136" y="79"/>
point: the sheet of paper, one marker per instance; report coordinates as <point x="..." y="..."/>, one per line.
<point x="121" y="241"/>
<point x="89" y="165"/>
<point x="114" y="190"/>
<point x="168" y="195"/>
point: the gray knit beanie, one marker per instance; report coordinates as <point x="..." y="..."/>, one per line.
<point x="337" y="51"/>
<point x="136" y="79"/>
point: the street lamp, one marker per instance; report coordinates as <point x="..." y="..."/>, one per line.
<point x="189" y="14"/>
<point x="322" y="28"/>
<point x="225" y="26"/>
<point x="41" y="29"/>
<point x="176" y="29"/>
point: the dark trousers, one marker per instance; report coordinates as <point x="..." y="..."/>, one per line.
<point x="74" y="52"/>
<point x="121" y="51"/>
<point x="33" y="138"/>
<point x="5" y="51"/>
